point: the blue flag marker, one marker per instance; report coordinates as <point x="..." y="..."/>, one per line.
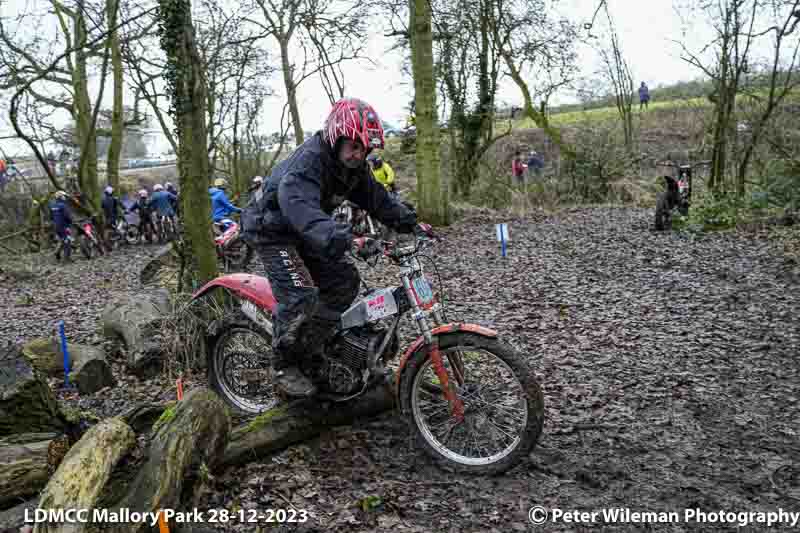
<point x="503" y="236"/>
<point x="64" y="351"/>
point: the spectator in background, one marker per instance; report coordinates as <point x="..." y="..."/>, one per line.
<point x="535" y="164"/>
<point x="3" y="174"/>
<point x="518" y="169"/>
<point x="644" y="96"/>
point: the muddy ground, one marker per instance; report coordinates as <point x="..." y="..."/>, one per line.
<point x="669" y="365"/>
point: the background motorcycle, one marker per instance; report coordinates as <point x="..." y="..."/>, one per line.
<point x="233" y="252"/>
<point x="471" y="399"/>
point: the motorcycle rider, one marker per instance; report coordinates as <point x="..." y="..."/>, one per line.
<point x="145" y="210"/>
<point x="383" y="172"/>
<point x="161" y="201"/>
<point x="62" y="220"/>
<point x="255" y="185"/>
<point x="111" y="206"/>
<point x="289" y="224"/>
<point x="221" y="207"/>
<point x="170" y="188"/>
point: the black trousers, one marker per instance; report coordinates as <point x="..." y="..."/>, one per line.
<point x="312" y="292"/>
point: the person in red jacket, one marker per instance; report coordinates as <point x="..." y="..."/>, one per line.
<point x="518" y="169"/>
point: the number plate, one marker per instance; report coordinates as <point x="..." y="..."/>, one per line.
<point x="423" y="290"/>
<point x="380" y="305"/>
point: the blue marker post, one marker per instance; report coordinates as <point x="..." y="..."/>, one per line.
<point x="502" y="236"/>
<point x="64" y="351"/>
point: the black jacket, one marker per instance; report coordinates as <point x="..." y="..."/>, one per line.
<point x="296" y="201"/>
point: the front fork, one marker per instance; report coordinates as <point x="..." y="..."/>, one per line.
<point x="432" y="343"/>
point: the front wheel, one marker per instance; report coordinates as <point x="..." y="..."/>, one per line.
<point x="503" y="405"/>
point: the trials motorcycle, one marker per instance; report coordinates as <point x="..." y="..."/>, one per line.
<point x="472" y="401"/>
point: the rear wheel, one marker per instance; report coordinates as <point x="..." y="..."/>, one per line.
<point x="240" y="366"/>
<point x="503" y="405"/>
<point x="663" y="220"/>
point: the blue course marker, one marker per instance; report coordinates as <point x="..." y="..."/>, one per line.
<point x="502" y="236"/>
<point x="64" y="351"/>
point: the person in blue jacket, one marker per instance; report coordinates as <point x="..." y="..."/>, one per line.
<point x="221" y="207"/>
<point x="62" y="220"/>
<point x="162" y="201"/>
<point x="289" y="224"/>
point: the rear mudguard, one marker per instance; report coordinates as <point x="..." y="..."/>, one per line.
<point x="440" y="334"/>
<point x="256" y="289"/>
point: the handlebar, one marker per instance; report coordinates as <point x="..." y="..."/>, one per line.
<point x="677" y="165"/>
<point x="423" y="235"/>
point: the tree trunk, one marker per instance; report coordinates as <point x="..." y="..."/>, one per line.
<point x="117" y="124"/>
<point x="286" y="425"/>
<point x="88" y="367"/>
<point x="189" y="100"/>
<point x="291" y="89"/>
<point x="431" y="192"/>
<point x="26" y="402"/>
<point x="89" y="184"/>
<point x="24" y="466"/>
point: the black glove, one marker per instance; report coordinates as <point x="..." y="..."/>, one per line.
<point x="408" y="222"/>
<point x="368" y="248"/>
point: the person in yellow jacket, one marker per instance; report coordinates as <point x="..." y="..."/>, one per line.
<point x="383" y="172"/>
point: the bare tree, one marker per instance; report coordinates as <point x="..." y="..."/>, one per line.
<point x="530" y="41"/>
<point x="619" y="75"/>
<point x="313" y="37"/>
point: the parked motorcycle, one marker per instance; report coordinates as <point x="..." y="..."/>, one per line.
<point x="472" y="400"/>
<point x="232" y="251"/>
<point x="677" y="195"/>
<point x="88" y="238"/>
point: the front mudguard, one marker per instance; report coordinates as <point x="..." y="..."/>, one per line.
<point x="445" y="336"/>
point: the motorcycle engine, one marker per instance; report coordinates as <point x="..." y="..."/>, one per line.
<point x="347" y="357"/>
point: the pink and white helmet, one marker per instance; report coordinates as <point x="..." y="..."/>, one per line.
<point x="354" y="119"/>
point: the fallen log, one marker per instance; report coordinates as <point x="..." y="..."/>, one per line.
<point x="136" y="320"/>
<point x="301" y="420"/>
<point x="188" y="439"/>
<point x="161" y="269"/>
<point x="89" y="369"/>
<point x="24" y="465"/>
<point x="26" y="403"/>
<point x="80" y="479"/>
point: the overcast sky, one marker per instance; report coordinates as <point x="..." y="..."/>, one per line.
<point x="646" y="30"/>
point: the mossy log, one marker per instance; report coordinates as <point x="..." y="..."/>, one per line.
<point x="89" y="370"/>
<point x="23" y="465"/>
<point x="79" y="481"/>
<point x="286" y="425"/>
<point x="136" y="320"/>
<point x="99" y="472"/>
<point x="26" y="403"/>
